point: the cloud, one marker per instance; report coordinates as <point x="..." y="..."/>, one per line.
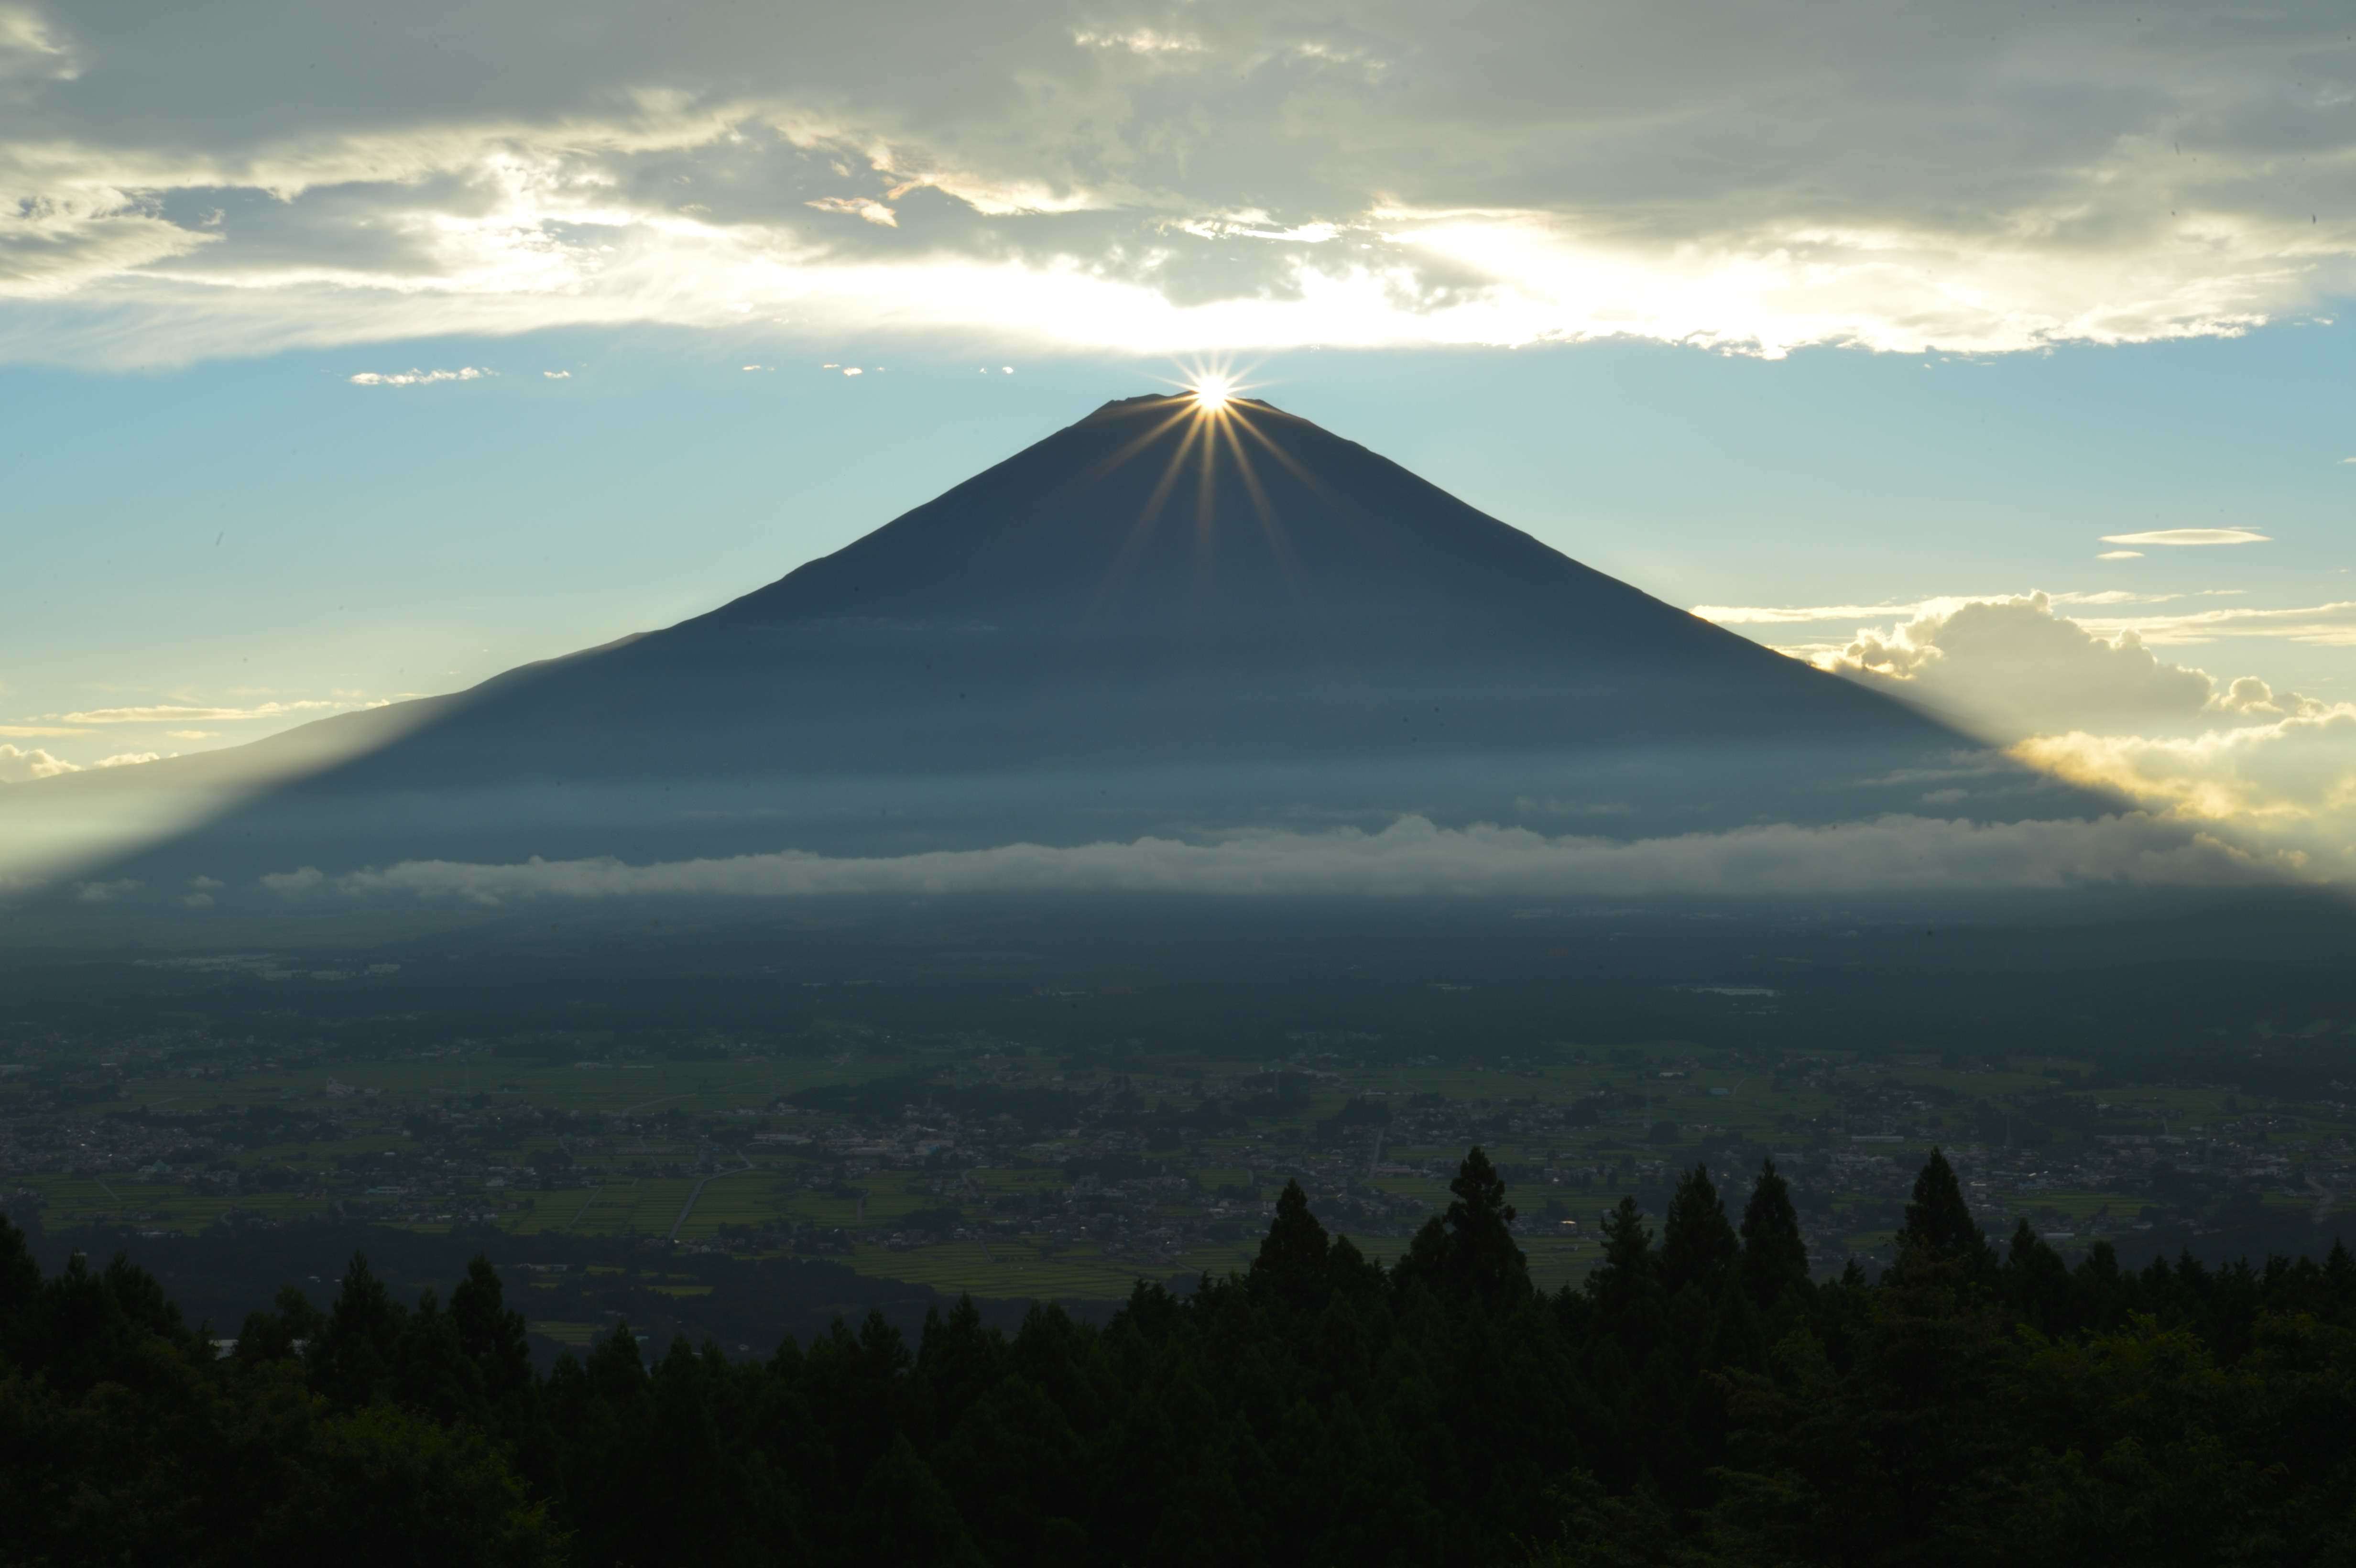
<point x="1530" y="805"/>
<point x="32" y="49"/>
<point x="857" y="206"/>
<point x="558" y="375"/>
<point x="166" y="713"/>
<point x="1809" y="615"/>
<point x="419" y="377"/>
<point x="191" y="734"/>
<point x="2120" y="555"/>
<point x="1411" y="859"/>
<point x="104" y="892"/>
<point x="1795" y="614"/>
<point x="1140" y="41"/>
<point x="2332" y="624"/>
<point x="23" y="767"/>
<point x="38" y="731"/>
<point x="1231" y="172"/>
<point x="2250" y="697"/>
<point x="2274" y="768"/>
<point x="2190" y="537"/>
<point x="2289" y="784"/>
<point x="206" y="884"/>
<point x="2012" y="667"/>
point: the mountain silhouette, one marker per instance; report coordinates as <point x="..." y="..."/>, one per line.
<point x="1159" y="618"/>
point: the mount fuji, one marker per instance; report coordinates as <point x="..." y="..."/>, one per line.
<point x="1170" y="619"/>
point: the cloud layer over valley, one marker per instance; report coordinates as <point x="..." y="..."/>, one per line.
<point x="1411" y="859"/>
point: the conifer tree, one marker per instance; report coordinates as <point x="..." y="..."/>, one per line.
<point x="1775" y="1257"/>
<point x="1292" y="1263"/>
<point x="1483" y="1253"/>
<point x="1470" y="1248"/>
<point x="20" y="1276"/>
<point x="20" y="1292"/>
<point x="2036" y="1282"/>
<point x="1627" y="1242"/>
<point x="431" y="1373"/>
<point x="1939" y="1224"/>
<point x="493" y="1334"/>
<point x="351" y="1357"/>
<point x="1625" y="1288"/>
<point x="1697" y="1243"/>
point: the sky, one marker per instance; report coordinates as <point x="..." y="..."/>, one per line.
<point x="1992" y="354"/>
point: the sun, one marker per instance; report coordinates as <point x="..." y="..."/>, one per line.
<point x="1213" y="385"/>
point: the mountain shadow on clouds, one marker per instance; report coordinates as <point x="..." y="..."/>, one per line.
<point x="1157" y="621"/>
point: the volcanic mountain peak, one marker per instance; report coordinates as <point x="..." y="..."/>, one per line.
<point x="1162" y="617"/>
<point x="1158" y="507"/>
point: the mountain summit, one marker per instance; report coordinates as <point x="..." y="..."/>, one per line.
<point x="1166" y="618"/>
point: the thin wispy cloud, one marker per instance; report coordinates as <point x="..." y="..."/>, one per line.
<point x="1810" y="614"/>
<point x="173" y="712"/>
<point x="2190" y="537"/>
<point x="2332" y="624"/>
<point x="419" y="377"/>
<point x="860" y="207"/>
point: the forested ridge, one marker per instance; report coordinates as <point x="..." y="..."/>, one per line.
<point x="1698" y="1399"/>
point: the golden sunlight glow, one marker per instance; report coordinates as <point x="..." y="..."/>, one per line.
<point x="1211" y="392"/>
<point x="1213" y="384"/>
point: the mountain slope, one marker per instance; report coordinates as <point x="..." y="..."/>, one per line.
<point x="1155" y="619"/>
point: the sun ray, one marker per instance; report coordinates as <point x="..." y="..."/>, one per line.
<point x="1207" y="411"/>
<point x="1106" y="465"/>
<point x="1286" y="458"/>
<point x="1206" y="491"/>
<point x="1142" y="530"/>
<point x="1279" y="546"/>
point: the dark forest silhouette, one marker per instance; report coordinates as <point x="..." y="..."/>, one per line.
<point x="1698" y="1399"/>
